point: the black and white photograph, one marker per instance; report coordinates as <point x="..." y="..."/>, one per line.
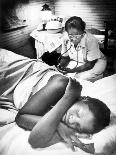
<point x="57" y="77"/>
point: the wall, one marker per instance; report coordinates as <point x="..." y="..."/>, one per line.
<point x="93" y="12"/>
<point x="23" y="18"/>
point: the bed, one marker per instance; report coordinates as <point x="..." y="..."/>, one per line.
<point x="14" y="140"/>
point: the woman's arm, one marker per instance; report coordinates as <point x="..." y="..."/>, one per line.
<point x="87" y="66"/>
<point x="45" y="129"/>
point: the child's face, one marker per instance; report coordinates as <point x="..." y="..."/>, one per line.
<point x="80" y="118"/>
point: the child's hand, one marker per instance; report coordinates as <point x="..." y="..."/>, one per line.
<point x="67" y="133"/>
<point x="73" y="89"/>
<point x="89" y="148"/>
<point x="70" y="137"/>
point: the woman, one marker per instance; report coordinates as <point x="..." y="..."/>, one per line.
<point x="56" y="113"/>
<point x="80" y="52"/>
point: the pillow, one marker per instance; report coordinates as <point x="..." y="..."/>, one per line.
<point x="105" y="140"/>
<point x="105" y="90"/>
<point x="6" y="117"/>
<point x="7" y="111"/>
<point x="7" y="56"/>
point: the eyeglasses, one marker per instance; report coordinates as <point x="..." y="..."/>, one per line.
<point x="75" y="36"/>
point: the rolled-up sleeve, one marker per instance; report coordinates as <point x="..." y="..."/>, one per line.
<point x="93" y="51"/>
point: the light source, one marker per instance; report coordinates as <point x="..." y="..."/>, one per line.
<point x="45" y="14"/>
<point x="45" y="7"/>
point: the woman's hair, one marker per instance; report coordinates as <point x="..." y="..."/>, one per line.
<point x="100" y="111"/>
<point x="75" y="22"/>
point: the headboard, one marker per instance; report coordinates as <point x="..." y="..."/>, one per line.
<point x="99" y="34"/>
<point x="110" y="35"/>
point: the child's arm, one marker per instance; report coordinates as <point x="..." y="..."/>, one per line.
<point x="48" y="96"/>
<point x="40" y="103"/>
<point x="27" y="121"/>
<point x="30" y="114"/>
<point x="45" y="129"/>
<point x="62" y="134"/>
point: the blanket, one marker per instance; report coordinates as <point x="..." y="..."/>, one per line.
<point x="17" y="70"/>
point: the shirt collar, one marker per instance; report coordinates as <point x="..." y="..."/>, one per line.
<point x="83" y="41"/>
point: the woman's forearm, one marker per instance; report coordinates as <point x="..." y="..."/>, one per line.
<point x="88" y="65"/>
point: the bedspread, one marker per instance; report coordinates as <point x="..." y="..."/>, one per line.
<point x="17" y="69"/>
<point x="14" y="141"/>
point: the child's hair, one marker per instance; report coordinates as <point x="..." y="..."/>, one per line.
<point x="100" y="111"/>
<point x="75" y="22"/>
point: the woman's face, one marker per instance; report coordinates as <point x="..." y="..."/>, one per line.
<point x="79" y="117"/>
<point x="75" y="36"/>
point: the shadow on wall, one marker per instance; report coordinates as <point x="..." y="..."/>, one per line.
<point x="18" y="18"/>
<point x="9" y="18"/>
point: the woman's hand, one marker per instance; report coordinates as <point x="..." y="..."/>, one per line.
<point x="73" y="89"/>
<point x="64" y="61"/>
<point x="61" y="69"/>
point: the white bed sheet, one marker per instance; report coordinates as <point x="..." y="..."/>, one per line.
<point x="15" y="142"/>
